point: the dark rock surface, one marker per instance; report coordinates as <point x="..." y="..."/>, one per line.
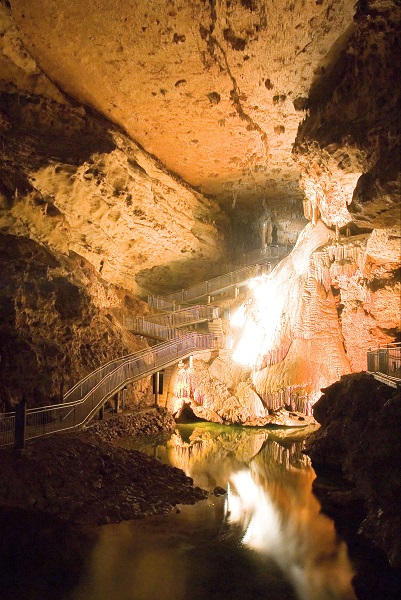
<point x="143" y="422"/>
<point x="356" y="455"/>
<point x="57" y="323"/>
<point x="81" y="478"/>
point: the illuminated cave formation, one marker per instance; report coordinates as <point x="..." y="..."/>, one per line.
<point x="141" y="158"/>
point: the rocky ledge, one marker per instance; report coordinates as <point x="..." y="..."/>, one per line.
<point x="356" y="455"/>
<point x="82" y="478"/>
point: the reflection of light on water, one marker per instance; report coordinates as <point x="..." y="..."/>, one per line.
<point x="272" y="501"/>
<point x="269" y="509"/>
<point x="250" y="505"/>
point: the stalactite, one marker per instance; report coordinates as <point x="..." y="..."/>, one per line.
<point x="291" y="397"/>
<point x="274" y="356"/>
<point x="337" y="260"/>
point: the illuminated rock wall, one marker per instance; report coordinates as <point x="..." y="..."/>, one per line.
<point x="216" y="91"/>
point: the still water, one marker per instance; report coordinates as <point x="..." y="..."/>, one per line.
<point x="264" y="539"/>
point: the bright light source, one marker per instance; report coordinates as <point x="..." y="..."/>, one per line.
<point x="238" y="318"/>
<point x="277" y="300"/>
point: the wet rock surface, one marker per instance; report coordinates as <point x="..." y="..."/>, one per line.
<point x="82" y="478"/>
<point x="356" y="455"/>
<point x="347" y="173"/>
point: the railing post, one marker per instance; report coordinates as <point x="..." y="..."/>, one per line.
<point x="20" y="425"/>
<point x="383" y="360"/>
<point x="155" y="386"/>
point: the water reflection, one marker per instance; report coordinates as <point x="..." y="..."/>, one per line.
<point x="264" y="539"/>
<point x="269" y="483"/>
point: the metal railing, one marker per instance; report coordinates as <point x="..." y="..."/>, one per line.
<point x="141" y="326"/>
<point x="207" y="288"/>
<point x="276" y="251"/>
<point x="386" y="362"/>
<point x="253" y="257"/>
<point x="91" y="392"/>
<point x="267" y="257"/>
<point x="166" y="325"/>
<point x="7" y="428"/>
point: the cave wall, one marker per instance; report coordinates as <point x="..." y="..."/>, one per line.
<point x="348" y="150"/>
<point x="59" y="321"/>
<point x="88" y="221"/>
<point x="73" y="183"/>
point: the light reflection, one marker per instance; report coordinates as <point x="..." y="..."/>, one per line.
<point x="266" y="533"/>
<point x="269" y="495"/>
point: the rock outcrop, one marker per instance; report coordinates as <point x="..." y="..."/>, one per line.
<point x="359" y="440"/>
<point x="211" y="395"/>
<point x="82" y="478"/>
<point x="59" y="321"/>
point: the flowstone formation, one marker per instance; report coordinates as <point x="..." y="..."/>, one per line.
<point x="212" y="389"/>
<point x="299" y="329"/>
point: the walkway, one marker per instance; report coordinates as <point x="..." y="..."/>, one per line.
<point x="167" y="326"/>
<point x="85" y="399"/>
<point x="262" y="261"/>
<point x="385" y="364"/>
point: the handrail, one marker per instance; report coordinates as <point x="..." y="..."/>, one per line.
<point x="184" y="316"/>
<point x="43" y="421"/>
<point x="166" y="325"/>
<point x="207" y="288"/>
<point x="154" y="330"/>
<point x="272" y="251"/>
<point x="255" y="256"/>
<point x="256" y="259"/>
<point x="385" y="362"/>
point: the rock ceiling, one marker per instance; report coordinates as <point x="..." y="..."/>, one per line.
<point x="129" y="130"/>
<point x="214" y="89"/>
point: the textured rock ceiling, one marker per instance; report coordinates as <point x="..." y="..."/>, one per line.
<point x="216" y="90"/>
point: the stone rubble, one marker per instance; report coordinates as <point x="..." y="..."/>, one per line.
<point x="82" y="477"/>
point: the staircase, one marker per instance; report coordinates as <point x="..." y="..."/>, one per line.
<point x="215" y="328"/>
<point x="85" y="399"/>
<point x="257" y="262"/>
<point x="169" y="325"/>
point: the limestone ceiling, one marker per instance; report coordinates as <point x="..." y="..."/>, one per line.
<point x="216" y="90"/>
